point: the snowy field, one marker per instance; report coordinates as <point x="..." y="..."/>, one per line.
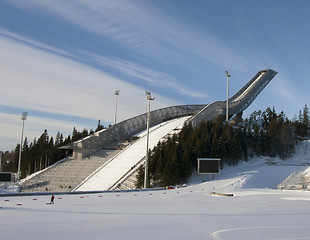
<point x="256" y="211"/>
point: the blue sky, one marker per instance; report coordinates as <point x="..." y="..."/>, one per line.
<point x="61" y="61"/>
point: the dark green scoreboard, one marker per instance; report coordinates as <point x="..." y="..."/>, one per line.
<point x="208" y="165"/>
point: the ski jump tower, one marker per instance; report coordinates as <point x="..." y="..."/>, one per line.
<point x="126" y="129"/>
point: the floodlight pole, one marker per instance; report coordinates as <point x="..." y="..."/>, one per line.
<point x="0" y="161"/>
<point x="228" y="76"/>
<point x="149" y="98"/>
<point x="23" y="118"/>
<point x="115" y="113"/>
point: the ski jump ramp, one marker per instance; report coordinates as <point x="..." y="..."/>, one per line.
<point x="198" y="113"/>
<point x="237" y="103"/>
<point x="109" y="175"/>
<point x="165" y="120"/>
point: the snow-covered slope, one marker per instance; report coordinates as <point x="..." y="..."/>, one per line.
<point x="120" y="165"/>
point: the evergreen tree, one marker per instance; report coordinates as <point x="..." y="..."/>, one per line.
<point x="99" y="126"/>
<point x="84" y="133"/>
<point x="140" y="177"/>
<point x="75" y="134"/>
<point x="305" y="122"/>
<point x="59" y="140"/>
<point x="269" y="134"/>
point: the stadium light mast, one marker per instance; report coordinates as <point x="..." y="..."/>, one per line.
<point x="115" y="113"/>
<point x="23" y="118"/>
<point x="228" y="76"/>
<point x="1" y="161"/>
<point x="149" y="98"/>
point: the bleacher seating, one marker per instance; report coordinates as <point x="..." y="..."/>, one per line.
<point x="129" y="183"/>
<point x="67" y="174"/>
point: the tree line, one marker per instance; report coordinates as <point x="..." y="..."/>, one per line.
<point x="264" y="133"/>
<point x="41" y="152"/>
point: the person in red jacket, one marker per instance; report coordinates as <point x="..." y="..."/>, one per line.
<point x="52" y="199"/>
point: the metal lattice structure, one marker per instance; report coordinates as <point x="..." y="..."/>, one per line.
<point x="128" y="128"/>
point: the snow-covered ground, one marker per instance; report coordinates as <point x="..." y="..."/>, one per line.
<point x="256" y="211"/>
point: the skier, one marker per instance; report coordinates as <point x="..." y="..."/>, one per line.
<point x="52" y="199"/>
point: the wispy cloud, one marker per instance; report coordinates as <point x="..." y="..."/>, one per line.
<point x="27" y="41"/>
<point x="38" y="80"/>
<point x="153" y="43"/>
<point x="146" y="74"/>
<point x="51" y="83"/>
<point x="145" y="28"/>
